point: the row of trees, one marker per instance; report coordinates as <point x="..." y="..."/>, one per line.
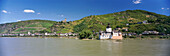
<point x="87" y="34"/>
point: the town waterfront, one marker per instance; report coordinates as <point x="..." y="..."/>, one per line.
<point x="72" y="47"/>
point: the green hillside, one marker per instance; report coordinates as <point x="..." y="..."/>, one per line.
<point x="119" y="20"/>
<point x="25" y="26"/>
<point x="129" y="19"/>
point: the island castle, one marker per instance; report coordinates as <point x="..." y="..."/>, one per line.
<point x="109" y="34"/>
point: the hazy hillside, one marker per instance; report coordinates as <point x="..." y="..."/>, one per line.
<point x="25" y="26"/>
<point x="129" y="19"/>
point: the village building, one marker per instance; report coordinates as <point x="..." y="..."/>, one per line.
<point x="21" y="34"/>
<point x="150" y="32"/>
<point x="29" y="33"/>
<point x="109" y="34"/>
<point x="127" y="24"/>
<point x="145" y="22"/>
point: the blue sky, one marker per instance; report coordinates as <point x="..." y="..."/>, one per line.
<point x="57" y="10"/>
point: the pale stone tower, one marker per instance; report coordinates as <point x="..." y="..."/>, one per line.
<point x="108" y="28"/>
<point x="65" y="20"/>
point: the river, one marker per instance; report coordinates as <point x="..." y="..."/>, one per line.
<point x="72" y="47"/>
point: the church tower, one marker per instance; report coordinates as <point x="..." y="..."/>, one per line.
<point x="108" y="28"/>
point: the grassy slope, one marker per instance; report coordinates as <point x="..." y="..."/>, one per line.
<point x="119" y="19"/>
<point x="25" y="26"/>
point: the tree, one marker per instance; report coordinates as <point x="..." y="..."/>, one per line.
<point x="85" y="34"/>
<point x="44" y="31"/>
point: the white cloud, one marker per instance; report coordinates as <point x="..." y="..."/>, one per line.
<point x="61" y="15"/>
<point x="137" y="1"/>
<point x="162" y="8"/>
<point x="165" y="8"/>
<point x="4" y="11"/>
<point x="29" y="11"/>
<point x="38" y="13"/>
<point x="18" y="20"/>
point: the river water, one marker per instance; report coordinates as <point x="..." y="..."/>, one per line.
<point x="72" y="47"/>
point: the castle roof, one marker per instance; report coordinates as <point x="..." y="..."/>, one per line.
<point x="108" y="26"/>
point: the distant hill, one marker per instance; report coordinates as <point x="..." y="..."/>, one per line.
<point x="134" y="20"/>
<point x="26" y="26"/>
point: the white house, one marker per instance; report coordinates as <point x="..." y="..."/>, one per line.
<point x="109" y="34"/>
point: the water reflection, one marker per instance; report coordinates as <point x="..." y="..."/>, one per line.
<point x="112" y="47"/>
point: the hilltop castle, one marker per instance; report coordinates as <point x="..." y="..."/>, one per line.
<point x="109" y="34"/>
<point x="65" y="20"/>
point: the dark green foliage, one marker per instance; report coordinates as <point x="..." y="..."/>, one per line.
<point x="132" y="37"/>
<point x="139" y="28"/>
<point x="85" y="34"/>
<point x="82" y="26"/>
<point x="163" y="28"/>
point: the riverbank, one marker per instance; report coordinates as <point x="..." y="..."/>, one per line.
<point x="147" y="37"/>
<point x="39" y="37"/>
<point x="124" y="38"/>
<point x="144" y="39"/>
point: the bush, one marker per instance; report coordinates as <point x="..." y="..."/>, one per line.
<point x="124" y="36"/>
<point x="85" y="34"/>
<point x="160" y="37"/>
<point x="151" y="36"/>
<point x="142" y="37"/>
<point x="132" y="37"/>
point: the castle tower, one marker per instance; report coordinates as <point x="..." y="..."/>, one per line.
<point x="65" y="20"/>
<point x="108" y="28"/>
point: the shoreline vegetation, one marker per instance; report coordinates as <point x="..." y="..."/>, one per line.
<point x="150" y="37"/>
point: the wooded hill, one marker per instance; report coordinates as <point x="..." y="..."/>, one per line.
<point x="136" y="21"/>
